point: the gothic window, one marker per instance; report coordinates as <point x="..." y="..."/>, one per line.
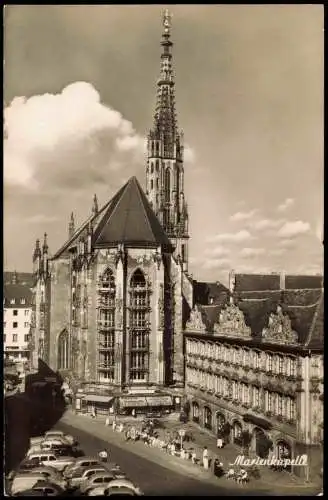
<point x="167" y="184"/>
<point x="269" y="362"/>
<point x="106" y="326"/>
<point x="151" y="184"/>
<point x="63" y="351"/>
<point x="139" y="331"/>
<point x="256" y="396"/>
<point x="152" y="168"/>
<point x="157" y="184"/>
<point x="183" y="253"/>
<point x="157" y="166"/>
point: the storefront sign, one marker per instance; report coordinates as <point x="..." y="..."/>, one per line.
<point x="133" y="402"/>
<point x="159" y="400"/>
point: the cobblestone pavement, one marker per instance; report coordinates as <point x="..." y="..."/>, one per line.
<point x="279" y="483"/>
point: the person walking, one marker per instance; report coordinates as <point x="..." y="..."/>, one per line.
<point x="103" y="455"/>
<point x="107" y="421"/>
<point x="205" y="458"/>
<point x="193" y="456"/>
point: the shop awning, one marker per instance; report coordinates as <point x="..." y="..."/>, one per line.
<point x="137" y="402"/>
<point x="159" y="400"/>
<point x="260" y="422"/>
<point x="95" y="398"/>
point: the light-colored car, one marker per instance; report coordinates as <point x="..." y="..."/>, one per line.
<point x="99" y="479"/>
<point x="35" y="441"/>
<point x="82" y="462"/>
<point x="59" y="463"/>
<point x="54" y="434"/>
<point x="116" y="483"/>
<point x="52" y="475"/>
<point x="80" y="476"/>
<point x="24" y="481"/>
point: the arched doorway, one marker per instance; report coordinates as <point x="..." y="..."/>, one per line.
<point x="63" y="351"/>
<point x="262" y="443"/>
<point x="220" y="421"/>
<point x="207" y="418"/>
<point x="195" y="412"/>
<point x="236" y="431"/>
<point x="284" y="452"/>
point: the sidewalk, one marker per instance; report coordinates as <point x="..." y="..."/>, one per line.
<point x="278" y="483"/>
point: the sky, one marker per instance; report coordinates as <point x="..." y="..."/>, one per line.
<point x="80" y="92"/>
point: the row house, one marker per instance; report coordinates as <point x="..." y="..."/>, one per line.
<point x="255" y="364"/>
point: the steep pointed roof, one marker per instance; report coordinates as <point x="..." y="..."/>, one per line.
<point x="129" y="219"/>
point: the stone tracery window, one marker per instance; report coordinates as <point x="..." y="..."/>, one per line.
<point x="139" y="328"/>
<point x="63" y="351"/>
<point x="106" y="326"/>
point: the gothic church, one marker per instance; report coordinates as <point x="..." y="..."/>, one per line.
<point x="110" y="304"/>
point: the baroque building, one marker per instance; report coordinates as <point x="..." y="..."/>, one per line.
<point x="255" y="363"/>
<point x="110" y="303"/>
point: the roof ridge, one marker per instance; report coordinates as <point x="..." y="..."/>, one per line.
<point x="79" y="230"/>
<point x="143" y="206"/>
<point x="314" y="319"/>
<point x="304" y="306"/>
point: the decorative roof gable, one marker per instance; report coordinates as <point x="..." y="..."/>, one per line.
<point x="279" y="329"/>
<point x="232" y="322"/>
<point x="195" y="322"/>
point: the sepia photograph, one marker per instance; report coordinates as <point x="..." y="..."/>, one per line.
<point x="163" y="296"/>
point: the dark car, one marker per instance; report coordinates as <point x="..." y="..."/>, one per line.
<point x="48" y="489"/>
<point x="28" y="464"/>
<point x="29" y="493"/>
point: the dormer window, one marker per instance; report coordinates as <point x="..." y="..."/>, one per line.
<point x="12" y="301"/>
<point x="23" y="301"/>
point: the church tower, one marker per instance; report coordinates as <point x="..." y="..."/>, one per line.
<point x="165" y="171"/>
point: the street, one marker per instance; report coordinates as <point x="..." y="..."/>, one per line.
<point x="152" y="478"/>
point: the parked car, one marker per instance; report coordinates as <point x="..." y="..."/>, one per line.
<point x="101" y="478"/>
<point x="53" y="475"/>
<point x="117" y="484"/>
<point x="49" y="489"/>
<point x="82" y="462"/>
<point x="24" y="481"/>
<point x="54" y="434"/>
<point x="29" y="493"/>
<point x="28" y="464"/>
<point x="59" y="463"/>
<point x="117" y="490"/>
<point x="80" y="476"/>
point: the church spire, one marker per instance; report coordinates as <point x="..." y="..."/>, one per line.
<point x="45" y="244"/>
<point x="95" y="205"/>
<point x="71" y="226"/>
<point x="37" y="250"/>
<point x="165" y="171"/>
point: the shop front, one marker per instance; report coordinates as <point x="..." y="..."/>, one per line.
<point x="93" y="403"/>
<point x="146" y="404"/>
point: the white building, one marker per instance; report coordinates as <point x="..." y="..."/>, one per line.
<point x="17" y="304"/>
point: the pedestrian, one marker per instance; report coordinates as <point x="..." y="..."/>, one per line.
<point x="205" y="458"/>
<point x="182" y="453"/>
<point x="133" y="413"/>
<point x="219" y="442"/>
<point x="103" y="455"/>
<point x="193" y="456"/>
<point x="114" y="425"/>
<point x="107" y="421"/>
<point x="173" y="449"/>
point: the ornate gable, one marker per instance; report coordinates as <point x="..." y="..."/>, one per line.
<point x="232" y="322"/>
<point x="279" y="329"/>
<point x="195" y="322"/>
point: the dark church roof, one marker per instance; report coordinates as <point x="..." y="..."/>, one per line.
<point x="129" y="219"/>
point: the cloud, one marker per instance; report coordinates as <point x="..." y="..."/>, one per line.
<point x="264" y="224"/>
<point x="286" y="243"/>
<point x="189" y="154"/>
<point x="218" y="251"/>
<point x="216" y="264"/>
<point x="238" y="237"/>
<point x="252" y="252"/>
<point x="289" y="202"/>
<point x="67" y="140"/>
<point x="277" y="251"/>
<point x="243" y="216"/>
<point x="293" y="228"/>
